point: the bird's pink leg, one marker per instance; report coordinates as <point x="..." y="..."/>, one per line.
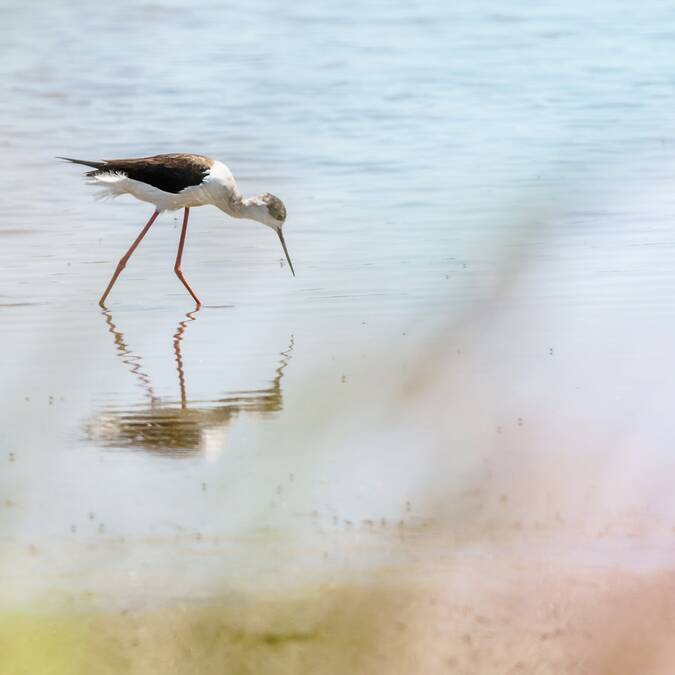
<point x="123" y="260"/>
<point x="177" y="267"/>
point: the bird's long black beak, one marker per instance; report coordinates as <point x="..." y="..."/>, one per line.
<point x="283" y="244"/>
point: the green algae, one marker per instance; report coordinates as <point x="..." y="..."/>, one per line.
<point x="328" y="631"/>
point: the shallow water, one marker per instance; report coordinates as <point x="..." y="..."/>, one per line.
<point x="474" y="354"/>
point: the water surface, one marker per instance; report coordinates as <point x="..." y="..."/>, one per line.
<point x="474" y="357"/>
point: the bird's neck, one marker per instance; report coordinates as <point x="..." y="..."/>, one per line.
<point x="244" y="207"/>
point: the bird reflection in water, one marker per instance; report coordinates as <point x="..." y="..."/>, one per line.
<point x="184" y="428"/>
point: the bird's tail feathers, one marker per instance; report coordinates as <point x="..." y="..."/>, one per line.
<point x="112" y="184"/>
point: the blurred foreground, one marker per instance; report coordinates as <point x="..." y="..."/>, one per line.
<point x="502" y="614"/>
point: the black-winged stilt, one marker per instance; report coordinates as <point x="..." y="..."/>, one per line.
<point x="181" y="181"/>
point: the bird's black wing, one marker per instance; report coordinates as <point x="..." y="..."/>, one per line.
<point x="169" y="173"/>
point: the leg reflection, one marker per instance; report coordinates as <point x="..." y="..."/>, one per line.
<point x="177" y="339"/>
<point x="129" y="358"/>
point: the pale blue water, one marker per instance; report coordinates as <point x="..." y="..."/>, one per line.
<point x="431" y="156"/>
<point x="397" y="135"/>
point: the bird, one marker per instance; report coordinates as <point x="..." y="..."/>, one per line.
<point x="180" y="181"/>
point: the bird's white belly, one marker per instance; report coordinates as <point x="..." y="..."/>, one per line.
<point x="118" y="184"/>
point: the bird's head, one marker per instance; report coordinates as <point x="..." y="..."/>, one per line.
<point x="269" y="210"/>
<point x="266" y="209"/>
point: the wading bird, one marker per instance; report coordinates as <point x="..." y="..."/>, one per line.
<point x="181" y="181"/>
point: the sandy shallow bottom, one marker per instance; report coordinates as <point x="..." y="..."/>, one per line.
<point x="502" y="609"/>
